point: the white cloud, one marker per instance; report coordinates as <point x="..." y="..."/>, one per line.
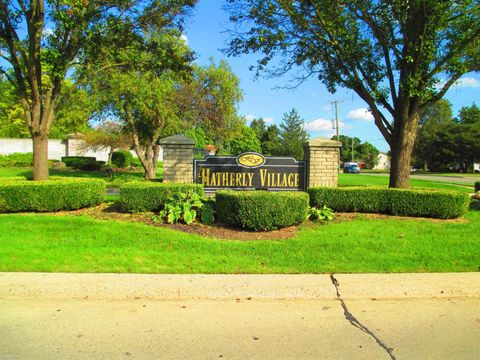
<point x="318" y="125"/>
<point x="268" y="120"/>
<point x="362" y="114"/>
<point x="249" y="117"/>
<point x="467" y="82"/>
<point x="322" y="125"/>
<point x="460" y="83"/>
<point x="184" y="38"/>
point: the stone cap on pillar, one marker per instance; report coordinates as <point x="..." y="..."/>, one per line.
<point x="322" y="142"/>
<point x="177" y="140"/>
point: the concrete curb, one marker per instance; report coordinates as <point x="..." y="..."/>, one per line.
<point x="200" y="286"/>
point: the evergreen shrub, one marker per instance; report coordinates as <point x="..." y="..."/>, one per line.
<point x="152" y="196"/>
<point x="50" y="195"/>
<point x="16" y="159"/>
<point x="421" y="203"/>
<point x="477" y="186"/>
<point x="85" y="163"/>
<point x="122" y="158"/>
<point x="261" y="210"/>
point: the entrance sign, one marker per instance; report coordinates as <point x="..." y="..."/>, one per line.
<point x="250" y="171"/>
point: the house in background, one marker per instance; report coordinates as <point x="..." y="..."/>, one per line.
<point x="383" y="162"/>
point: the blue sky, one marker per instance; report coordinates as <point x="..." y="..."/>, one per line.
<point x="206" y="35"/>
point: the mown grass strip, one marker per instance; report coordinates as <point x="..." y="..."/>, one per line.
<point x="32" y="242"/>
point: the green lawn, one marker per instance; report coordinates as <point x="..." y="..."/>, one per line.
<point x="372" y="180"/>
<point x="100" y="174"/>
<point x="54" y="243"/>
<point x="49" y="243"/>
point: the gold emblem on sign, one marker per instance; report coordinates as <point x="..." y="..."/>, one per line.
<point x="251" y="160"/>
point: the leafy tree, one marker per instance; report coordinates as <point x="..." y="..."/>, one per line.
<point x="108" y="135"/>
<point x="398" y="56"/>
<point x="246" y="141"/>
<point x="12" y="122"/>
<point x="445" y="144"/>
<point x="73" y="111"/>
<point x="271" y="141"/>
<point x="362" y="152"/>
<point x="258" y="125"/>
<point x="208" y="99"/>
<point x="138" y="84"/>
<point x="38" y="60"/>
<point x="368" y="153"/>
<point x="469" y="115"/>
<point x="432" y="121"/>
<point x="197" y="134"/>
<point x="292" y="135"/>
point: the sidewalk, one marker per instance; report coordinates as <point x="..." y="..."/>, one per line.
<point x="206" y="287"/>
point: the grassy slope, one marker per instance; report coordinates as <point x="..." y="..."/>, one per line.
<point x="33" y="242"/>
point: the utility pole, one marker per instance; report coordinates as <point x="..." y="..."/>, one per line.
<point x="336" y="127"/>
<point x="336" y="120"/>
<point x="352" y="150"/>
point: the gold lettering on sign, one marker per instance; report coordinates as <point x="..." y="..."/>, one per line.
<point x="250" y="179"/>
<point x="206" y="177"/>
<point x="291" y="180"/>
<point x="263" y="176"/>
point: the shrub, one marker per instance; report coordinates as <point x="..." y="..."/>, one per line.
<point x="122" y="158"/>
<point x="17" y="159"/>
<point x="50" y="195"/>
<point x="152" y="196"/>
<point x="424" y="203"/>
<point x="261" y="210"/>
<point x="477" y="186"/>
<point x="84" y="163"/>
<point x="70" y="160"/>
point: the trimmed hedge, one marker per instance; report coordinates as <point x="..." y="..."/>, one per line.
<point x="477" y="186"/>
<point x="152" y="196"/>
<point x="84" y="163"/>
<point x="261" y="210"/>
<point x="50" y="195"/>
<point x="421" y="203"/>
<point x="122" y="158"/>
<point x="12" y="178"/>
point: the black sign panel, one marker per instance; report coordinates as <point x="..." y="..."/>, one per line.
<point x="250" y="171"/>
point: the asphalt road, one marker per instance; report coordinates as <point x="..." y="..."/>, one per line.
<point x="240" y="329"/>
<point x="198" y="316"/>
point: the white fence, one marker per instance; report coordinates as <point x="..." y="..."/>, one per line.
<point x="56" y="148"/>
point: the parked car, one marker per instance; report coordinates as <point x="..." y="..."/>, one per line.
<point x="351" y="168"/>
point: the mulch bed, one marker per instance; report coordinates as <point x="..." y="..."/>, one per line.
<point x="109" y="211"/>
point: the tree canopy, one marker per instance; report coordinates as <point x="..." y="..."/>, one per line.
<point x="398" y="56"/>
<point x="41" y="41"/>
<point x="292" y="135"/>
<point x="445" y="143"/>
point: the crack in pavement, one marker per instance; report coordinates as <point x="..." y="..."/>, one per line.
<point x="356" y="323"/>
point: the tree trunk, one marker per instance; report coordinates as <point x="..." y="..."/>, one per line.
<point x="402" y="149"/>
<point x="148" y="159"/>
<point x="110" y="154"/>
<point x="151" y="168"/>
<point x="425" y="166"/>
<point x="40" y="157"/>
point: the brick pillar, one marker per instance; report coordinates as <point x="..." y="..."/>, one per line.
<point x="177" y="159"/>
<point x="322" y="158"/>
